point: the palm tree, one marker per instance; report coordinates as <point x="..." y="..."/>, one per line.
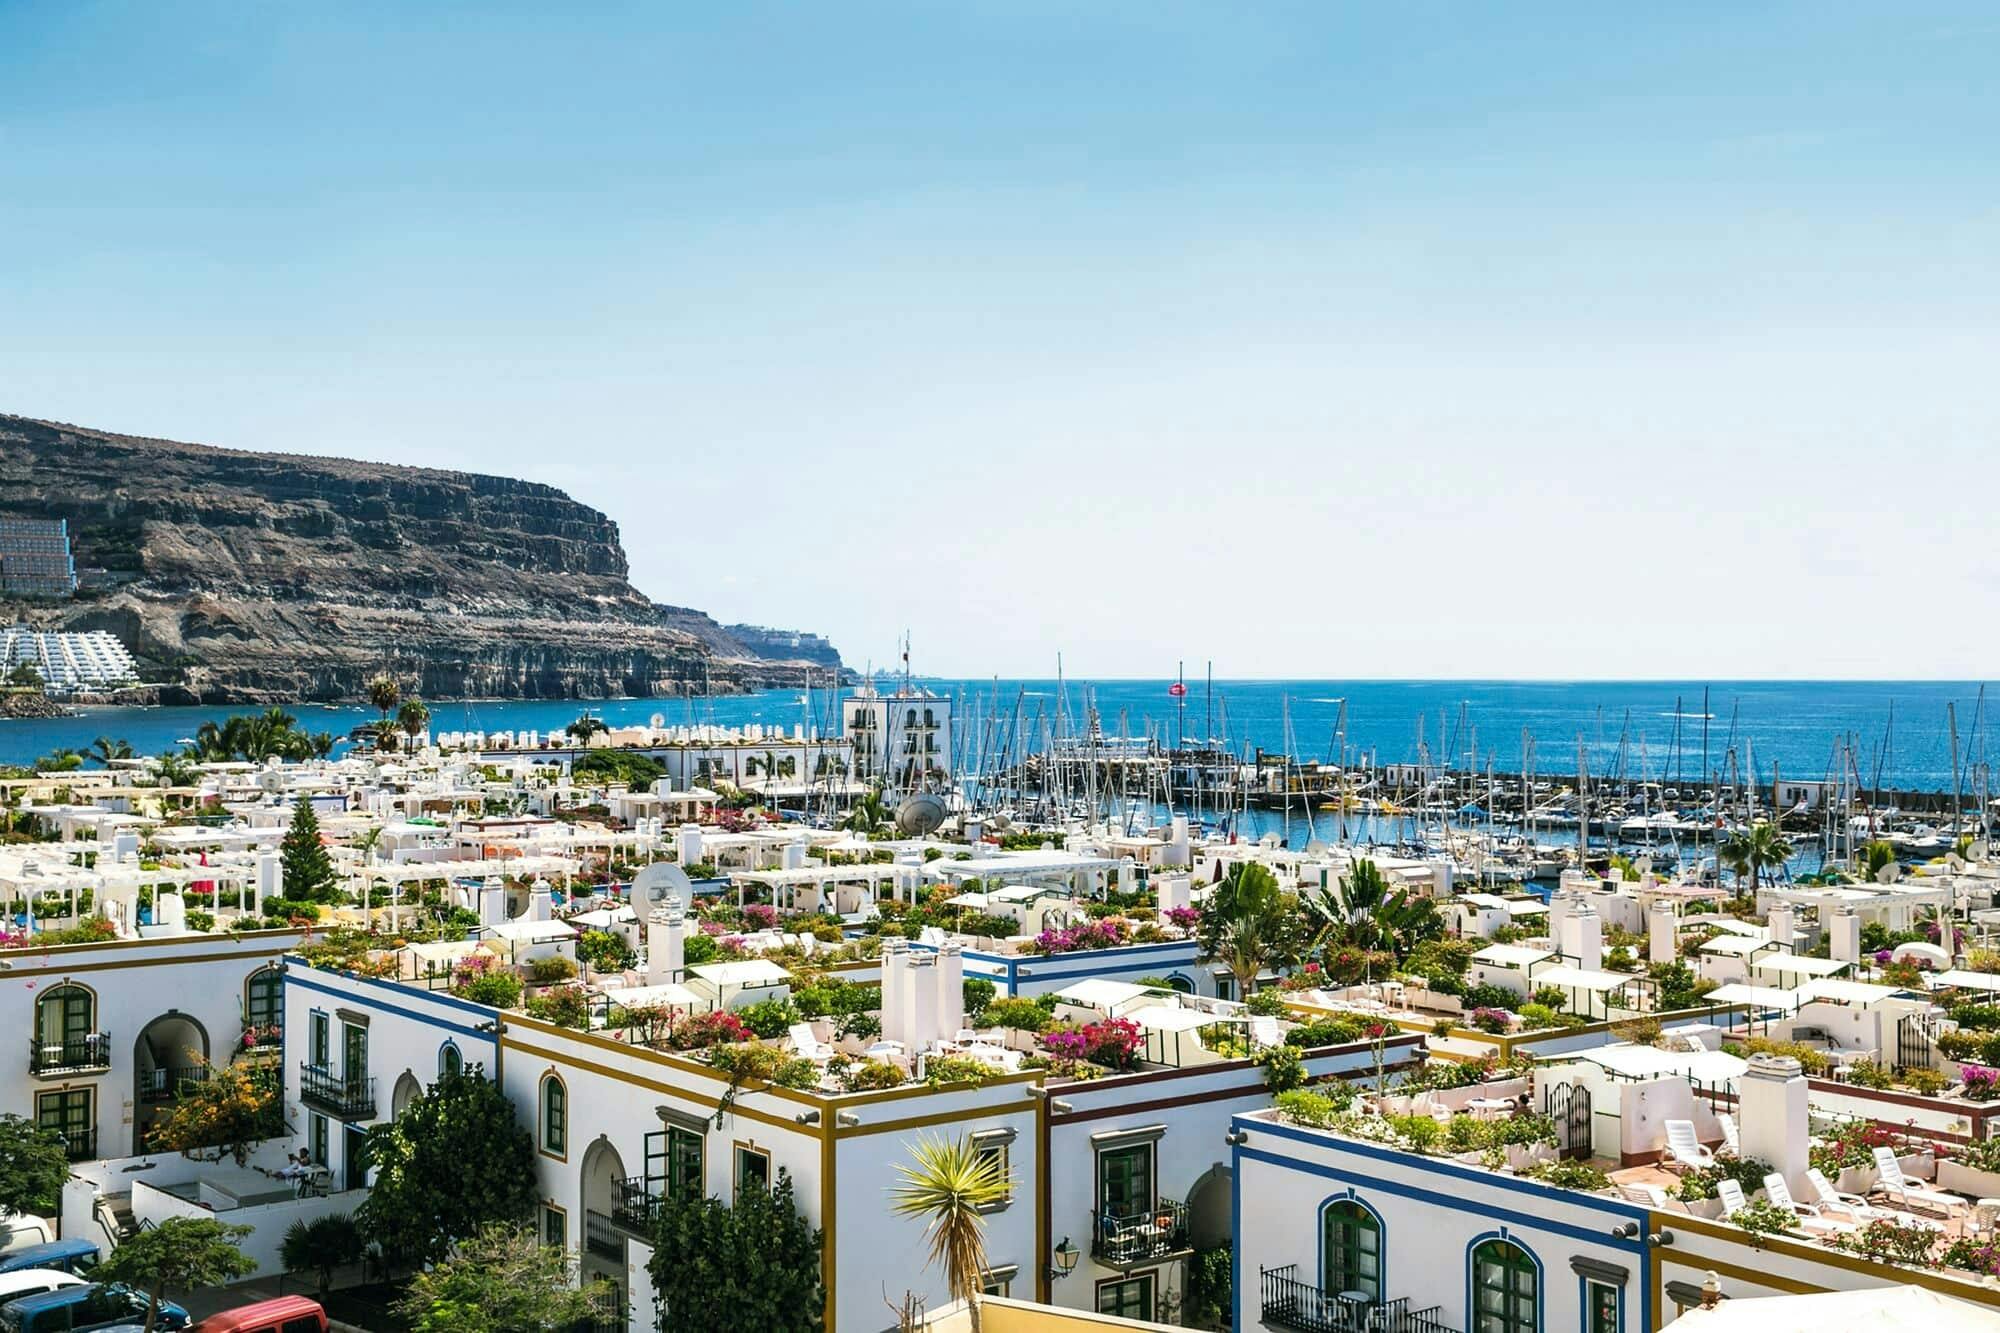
<point x="1364" y="912"/>
<point x="952" y="1187"/>
<point x="104" y="750"/>
<point x="320" y="1246"/>
<point x="867" y="814"/>
<point x="384" y="692"/>
<point x="413" y="717"/>
<point x="584" y="728"/>
<point x="322" y="743"/>
<point x="1247" y="924"/>
<point x="1753" y="850"/>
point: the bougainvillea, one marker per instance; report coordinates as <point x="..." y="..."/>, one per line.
<point x="1114" y="1043"/>
<point x="1108" y="933"/>
<point x="701" y="1031"/>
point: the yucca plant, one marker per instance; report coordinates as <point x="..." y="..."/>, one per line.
<point x="951" y="1186"/>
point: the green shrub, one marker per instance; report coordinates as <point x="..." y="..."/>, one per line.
<point x="769" y="1018"/>
<point x="1571" y="1176"/>
<point x="565" y="1006"/>
<point x="1488" y="997"/>
<point x="1026" y="1015"/>
<point x="979" y="993"/>
<point x="548" y="971"/>
<point x="1284" y="1068"/>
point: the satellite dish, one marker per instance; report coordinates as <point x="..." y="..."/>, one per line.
<point x="1644" y="865"/>
<point x="656" y="721"/>
<point x="1317" y="847"/>
<point x="1889" y="874"/>
<point x="1977" y="851"/>
<point x="996" y="822"/>
<point x="652" y="886"/>
<point x="920" y="815"/>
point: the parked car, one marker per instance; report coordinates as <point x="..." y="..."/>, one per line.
<point x="33" y="1282"/>
<point x="20" y="1230"/>
<point x="68" y="1256"/>
<point x="94" y="1305"/>
<point x="285" y="1314"/>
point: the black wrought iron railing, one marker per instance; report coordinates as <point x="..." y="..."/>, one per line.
<point x="636" y="1206"/>
<point x="92" y="1050"/>
<point x="164" y="1085"/>
<point x="349" y="1098"/>
<point x="1301" y="1306"/>
<point x="1135" y="1236"/>
<point x="600" y="1237"/>
<point x="80" y="1144"/>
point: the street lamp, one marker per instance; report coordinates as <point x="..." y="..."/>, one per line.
<point x="1065" y="1261"/>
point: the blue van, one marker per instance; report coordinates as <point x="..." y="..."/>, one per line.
<point x="66" y="1256"/>
<point x="73" y="1309"/>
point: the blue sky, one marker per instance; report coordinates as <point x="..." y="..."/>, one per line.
<point x="1325" y="340"/>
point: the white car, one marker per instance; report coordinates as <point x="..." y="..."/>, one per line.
<point x="35" y="1281"/>
<point x="20" y="1230"/>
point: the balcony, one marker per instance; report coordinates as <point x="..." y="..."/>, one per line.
<point x="342" y="1098"/>
<point x="80" y="1144"/>
<point x="1134" y="1238"/>
<point x="157" y="1086"/>
<point x="636" y="1209"/>
<point x="601" y="1237"/>
<point x="87" y="1054"/>
<point x="1290" y="1303"/>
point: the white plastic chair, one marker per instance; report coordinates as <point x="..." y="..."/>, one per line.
<point x="1780" y="1194"/>
<point x="1646" y="1196"/>
<point x="1900" y="1188"/>
<point x="1731" y="1142"/>
<point x="1684" y="1148"/>
<point x="1732" y="1196"/>
<point x="805" y="1044"/>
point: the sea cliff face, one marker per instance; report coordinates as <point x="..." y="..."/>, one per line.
<point x="239" y="576"/>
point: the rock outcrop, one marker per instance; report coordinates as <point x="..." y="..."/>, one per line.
<point x="254" y="576"/>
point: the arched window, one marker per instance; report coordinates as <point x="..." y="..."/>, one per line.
<point x="1506" y="1289"/>
<point x="65" y="1015"/>
<point x="449" y="1059"/>
<point x="555" y="1116"/>
<point x="263" y="999"/>
<point x="1350" y="1251"/>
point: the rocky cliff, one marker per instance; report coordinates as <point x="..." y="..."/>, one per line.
<point x="251" y="576"/>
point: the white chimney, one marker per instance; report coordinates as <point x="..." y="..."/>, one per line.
<point x="1771" y="1108"/>
<point x="663" y="786"/>
<point x="1844" y="937"/>
<point x="1441" y="874"/>
<point x="541" y="901"/>
<point x="690" y="844"/>
<point x="269" y="881"/>
<point x="124" y="844"/>
<point x="1780" y="923"/>
<point x="895" y="988"/>
<point x="665" y="943"/>
<point x="1584" y="937"/>
<point x="948" y="1009"/>
<point x="794" y="854"/>
<point x="1661" y="944"/>
<point x="1561" y="904"/>
<point x="492" y="901"/>
<point x="1173" y="891"/>
<point x="1177" y="843"/>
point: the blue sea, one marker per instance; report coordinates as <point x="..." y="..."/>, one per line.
<point x="1635" y="729"/>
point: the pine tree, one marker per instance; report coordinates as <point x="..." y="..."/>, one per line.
<point x="309" y="873"/>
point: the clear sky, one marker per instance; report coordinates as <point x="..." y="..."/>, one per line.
<point x="1563" y="340"/>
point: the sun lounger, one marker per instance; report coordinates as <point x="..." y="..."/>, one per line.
<point x="805" y="1044"/>
<point x="1683" y="1148"/>
<point x="1732" y="1196"/>
<point x="1857" y="1207"/>
<point x="1780" y="1194"/>
<point x="1900" y="1188"/>
<point x="1732" y="1143"/>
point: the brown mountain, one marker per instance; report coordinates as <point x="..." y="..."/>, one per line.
<point x="251" y="576"/>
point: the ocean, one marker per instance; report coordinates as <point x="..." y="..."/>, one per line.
<point x="1637" y="729"/>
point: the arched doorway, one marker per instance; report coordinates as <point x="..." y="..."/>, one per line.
<point x="603" y="1242"/>
<point x="1208" y="1208"/>
<point x="170" y="1053"/>
<point x="407" y="1091"/>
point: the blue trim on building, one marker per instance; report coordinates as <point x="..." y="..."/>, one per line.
<point x="1437" y="1166"/>
<point x="431" y="1020"/>
<point x="485" y="1011"/>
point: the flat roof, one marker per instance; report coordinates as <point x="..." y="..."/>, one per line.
<point x="1579" y="978"/>
<point x="1785" y="964"/>
<point x="1511" y="955"/>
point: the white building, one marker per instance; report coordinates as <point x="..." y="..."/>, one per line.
<point x="114" y="1027"/>
<point x="68" y="661"/>
<point x="902" y="737"/>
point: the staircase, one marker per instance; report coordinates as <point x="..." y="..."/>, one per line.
<point x="114" y="1215"/>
